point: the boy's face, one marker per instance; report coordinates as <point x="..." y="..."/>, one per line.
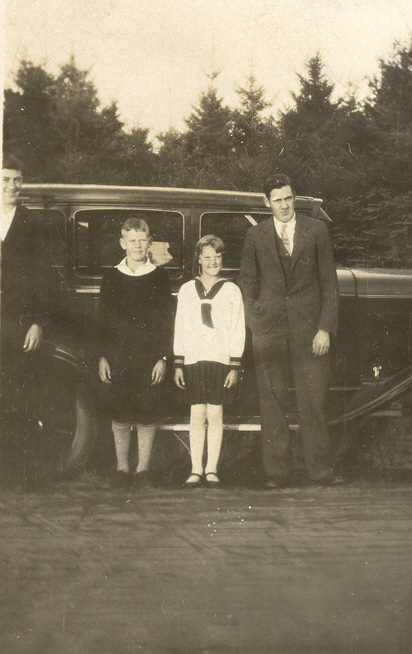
<point x="12" y="182"/>
<point x="136" y="244"/>
<point x="282" y="203"/>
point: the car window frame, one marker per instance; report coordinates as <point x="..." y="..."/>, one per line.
<point x="111" y="207"/>
<point x="268" y="214"/>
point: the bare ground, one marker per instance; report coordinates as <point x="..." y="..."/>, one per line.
<point x="85" y="570"/>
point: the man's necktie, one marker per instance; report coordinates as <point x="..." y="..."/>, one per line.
<point x="285" y="238"/>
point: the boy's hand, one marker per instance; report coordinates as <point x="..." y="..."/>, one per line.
<point x="158" y="372"/>
<point x="33" y="338"/>
<point x="105" y="373"/>
<point x="179" y="378"/>
<point x="231" y="379"/>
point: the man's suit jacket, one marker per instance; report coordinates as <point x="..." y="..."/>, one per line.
<point x="26" y="291"/>
<point x="308" y="297"/>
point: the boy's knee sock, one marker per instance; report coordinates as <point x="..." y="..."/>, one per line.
<point x="145" y="438"/>
<point x="197" y="436"/>
<point x="121" y="435"/>
<point x="214" y="436"/>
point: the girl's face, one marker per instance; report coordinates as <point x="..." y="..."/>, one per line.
<point x="210" y="261"/>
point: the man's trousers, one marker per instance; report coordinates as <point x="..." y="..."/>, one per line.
<point x="275" y="365"/>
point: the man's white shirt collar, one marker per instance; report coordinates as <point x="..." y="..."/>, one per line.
<point x="144" y="269"/>
<point x="6" y="221"/>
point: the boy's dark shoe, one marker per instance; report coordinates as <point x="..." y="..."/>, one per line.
<point x="120" y="479"/>
<point x="142" y="481"/>
<point x="272" y="483"/>
<point x="330" y="480"/>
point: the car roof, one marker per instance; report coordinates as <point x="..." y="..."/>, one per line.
<point x="155" y="195"/>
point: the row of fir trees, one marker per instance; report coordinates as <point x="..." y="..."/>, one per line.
<point x="356" y="156"/>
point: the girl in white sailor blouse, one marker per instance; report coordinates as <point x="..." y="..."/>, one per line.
<point x="208" y="345"/>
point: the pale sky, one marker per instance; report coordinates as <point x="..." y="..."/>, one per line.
<point x="151" y="56"/>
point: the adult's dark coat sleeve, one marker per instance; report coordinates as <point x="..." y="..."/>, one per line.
<point x="28" y="284"/>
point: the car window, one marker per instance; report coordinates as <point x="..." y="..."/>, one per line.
<point x="53" y="234"/>
<point x="97" y="233"/>
<point x="231" y="227"/>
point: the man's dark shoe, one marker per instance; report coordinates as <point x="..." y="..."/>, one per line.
<point x="330" y="480"/>
<point x="120" y="479"/>
<point x="142" y="481"/>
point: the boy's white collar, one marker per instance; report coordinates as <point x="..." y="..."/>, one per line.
<point x="144" y="269"/>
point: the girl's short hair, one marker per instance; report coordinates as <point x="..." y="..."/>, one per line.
<point x="210" y="239"/>
<point x="138" y="224"/>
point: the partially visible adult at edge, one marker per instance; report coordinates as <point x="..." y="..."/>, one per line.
<point x="26" y="300"/>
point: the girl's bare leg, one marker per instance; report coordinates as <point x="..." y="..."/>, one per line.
<point x="214" y="436"/>
<point x="197" y="436"/>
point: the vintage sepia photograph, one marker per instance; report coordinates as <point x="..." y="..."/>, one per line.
<point x="206" y="327"/>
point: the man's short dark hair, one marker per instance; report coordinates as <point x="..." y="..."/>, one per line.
<point x="277" y="181"/>
<point x="10" y="162"/>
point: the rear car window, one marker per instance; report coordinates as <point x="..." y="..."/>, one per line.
<point x="231" y="227"/>
<point x="53" y="224"/>
<point x="97" y="233"/>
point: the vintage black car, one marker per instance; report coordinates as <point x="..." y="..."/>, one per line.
<point x="370" y="395"/>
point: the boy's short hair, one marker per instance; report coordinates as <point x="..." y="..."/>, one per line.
<point x="277" y="181"/>
<point x="138" y="224"/>
<point x="10" y="162"/>
<point x="210" y="239"/>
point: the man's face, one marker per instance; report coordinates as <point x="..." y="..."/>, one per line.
<point x="282" y="203"/>
<point x="136" y="244"/>
<point x="12" y="182"/>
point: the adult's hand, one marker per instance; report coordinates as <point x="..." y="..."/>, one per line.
<point x="33" y="338"/>
<point x="321" y="343"/>
<point x="158" y="372"/>
<point x="231" y="379"/>
<point x="180" y="378"/>
<point x="105" y="373"/>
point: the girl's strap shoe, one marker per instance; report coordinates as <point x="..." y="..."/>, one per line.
<point x="212" y="480"/>
<point x="193" y="481"/>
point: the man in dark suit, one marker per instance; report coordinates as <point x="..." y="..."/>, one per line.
<point x="25" y="298"/>
<point x="289" y="282"/>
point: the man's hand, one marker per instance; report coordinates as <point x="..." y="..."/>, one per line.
<point x="321" y="343"/>
<point x="158" y="372"/>
<point x="33" y="338"/>
<point x="180" y="379"/>
<point x="231" y="379"/>
<point x="105" y="373"/>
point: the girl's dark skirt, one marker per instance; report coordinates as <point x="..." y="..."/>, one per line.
<point x="204" y="382"/>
